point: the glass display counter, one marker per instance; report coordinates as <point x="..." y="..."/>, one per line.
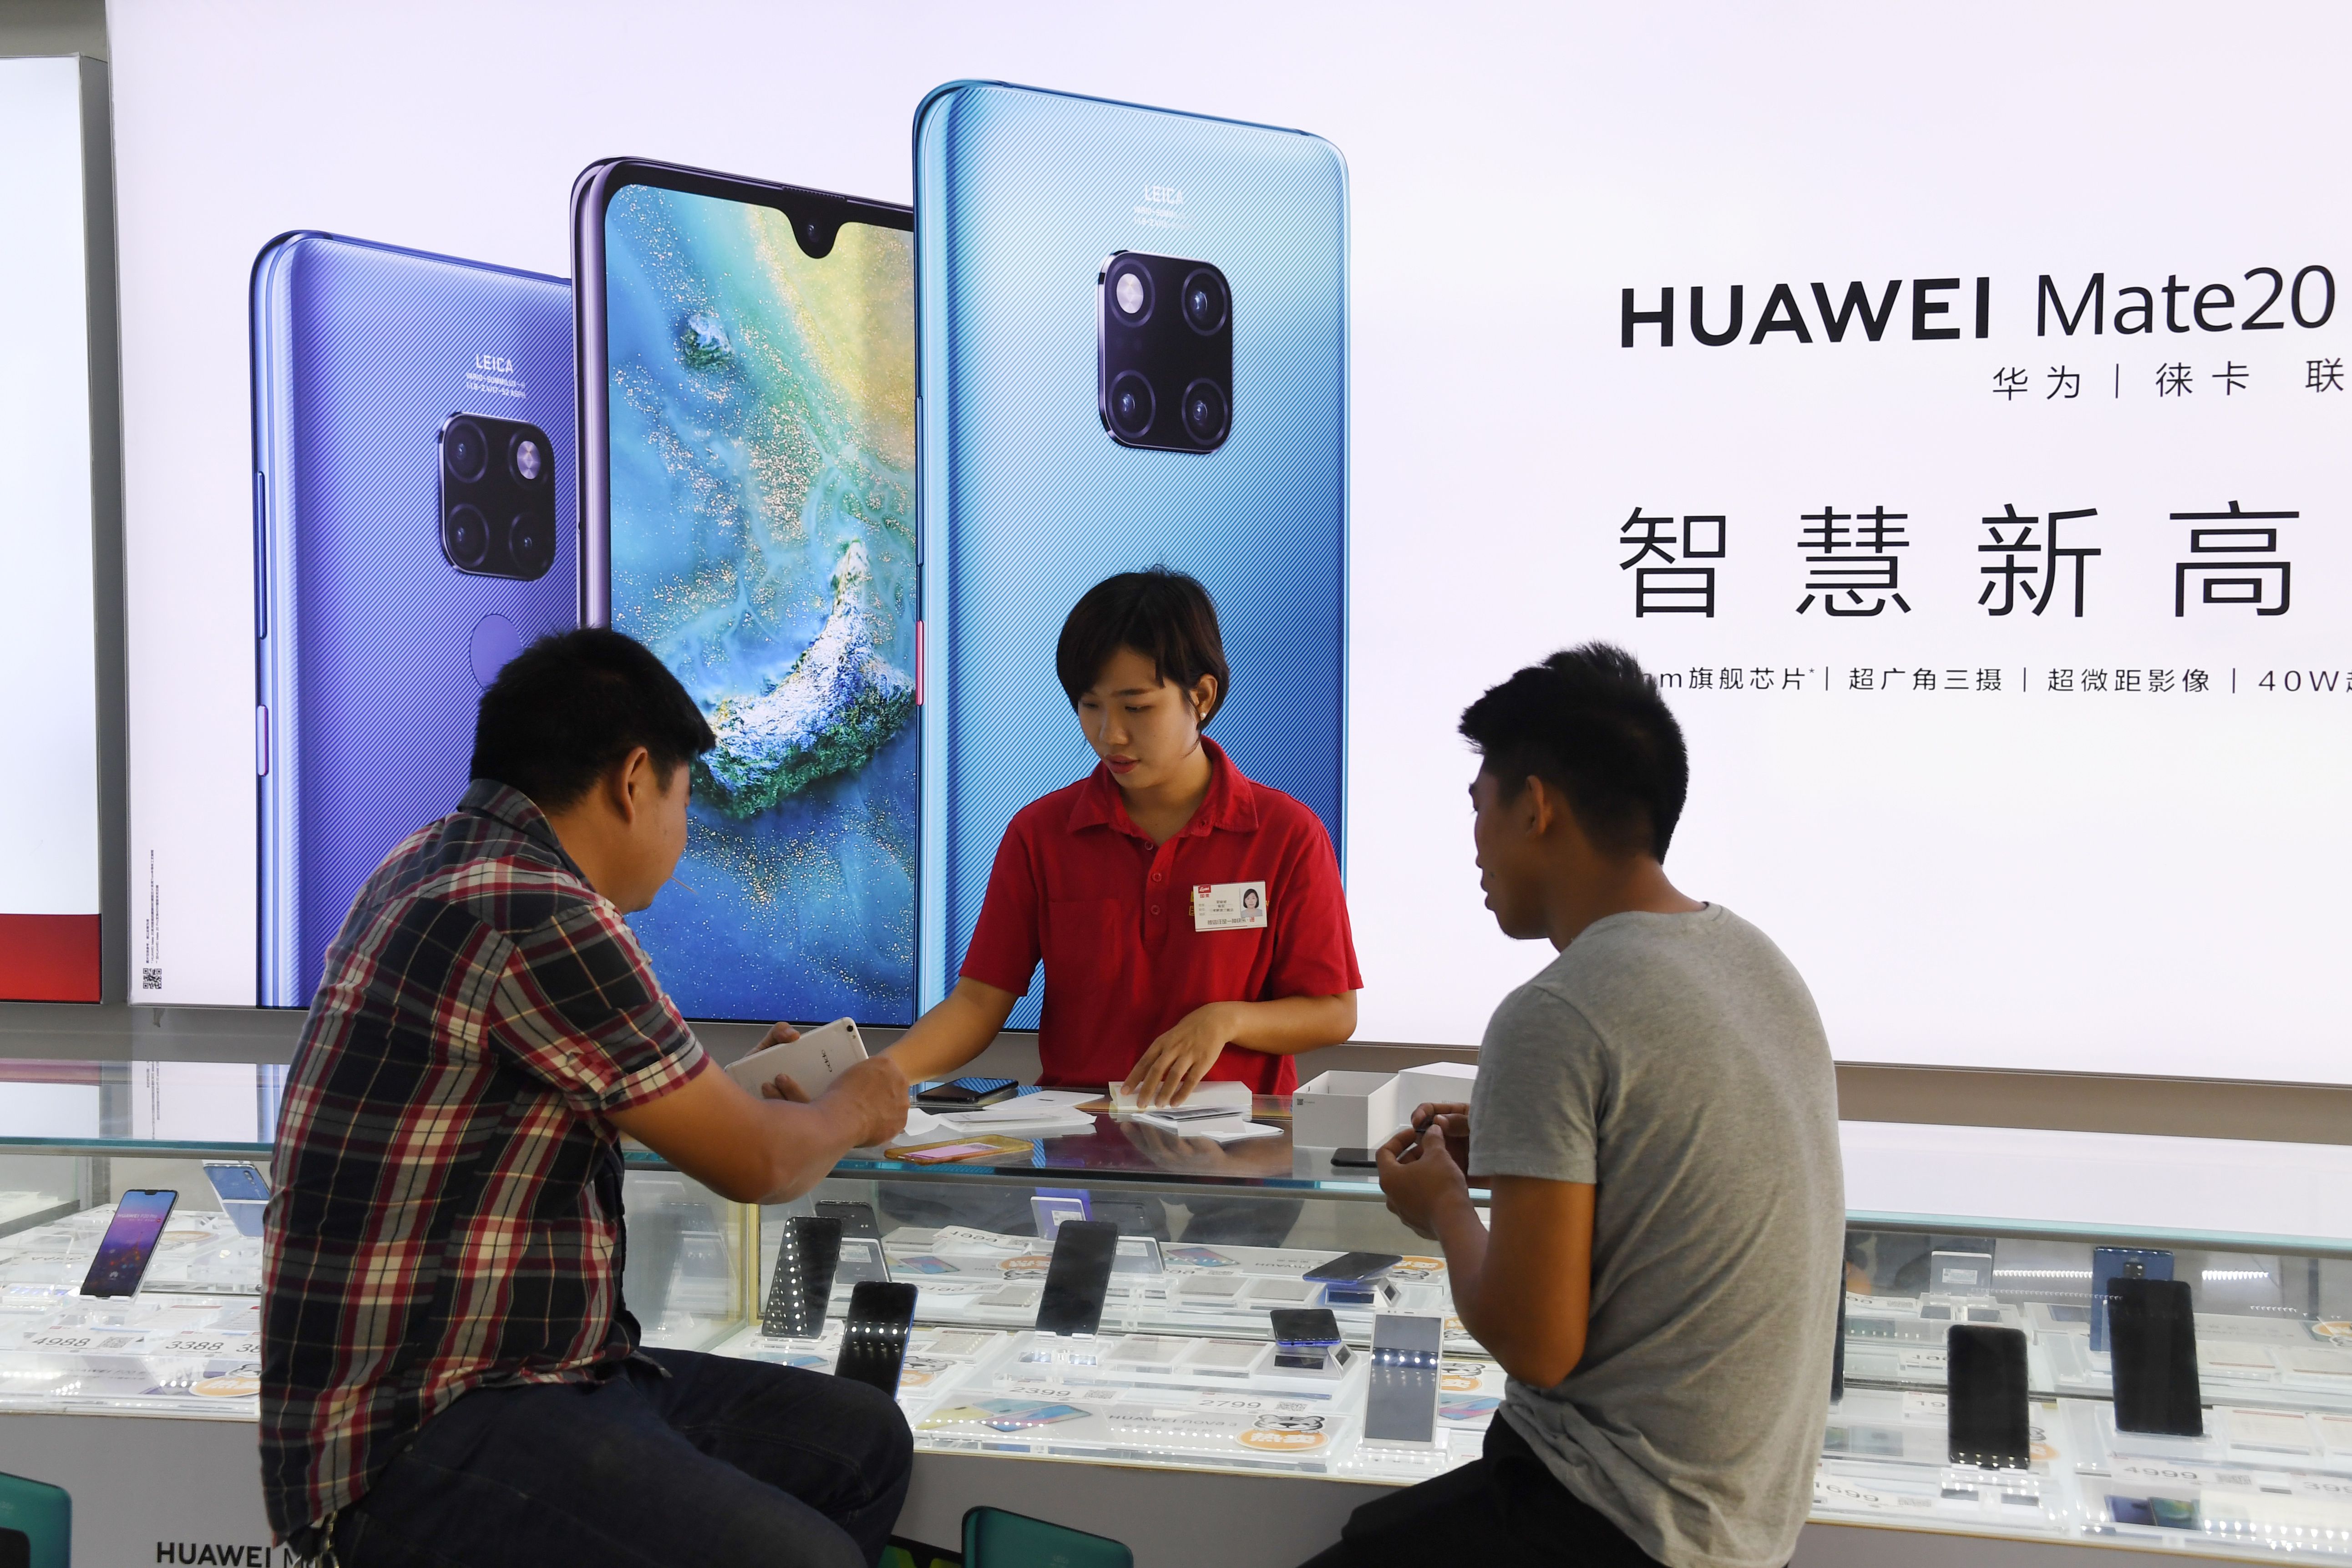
<point x="1183" y="1373"/>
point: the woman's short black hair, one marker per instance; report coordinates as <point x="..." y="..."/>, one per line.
<point x="1589" y="721"/>
<point x="572" y="704"/>
<point x="1160" y="613"/>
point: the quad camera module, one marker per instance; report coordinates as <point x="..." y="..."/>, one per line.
<point x="1167" y="352"/>
<point x="498" y="497"/>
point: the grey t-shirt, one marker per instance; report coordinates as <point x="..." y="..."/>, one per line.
<point x="1677" y="1062"/>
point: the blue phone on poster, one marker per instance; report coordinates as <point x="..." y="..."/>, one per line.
<point x="1133" y="346"/>
<point x="413" y="529"/>
<point x="746" y="425"/>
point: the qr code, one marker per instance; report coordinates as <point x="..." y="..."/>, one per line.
<point x="150" y="980"/>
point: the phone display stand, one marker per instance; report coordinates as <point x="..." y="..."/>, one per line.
<point x="1310" y="1360"/>
<point x="1051" y="1208"/>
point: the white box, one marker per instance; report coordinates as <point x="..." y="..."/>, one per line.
<point x="1345" y="1110"/>
<point x="1434" y="1083"/>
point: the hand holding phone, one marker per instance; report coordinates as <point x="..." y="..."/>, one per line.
<point x="1452" y="1118"/>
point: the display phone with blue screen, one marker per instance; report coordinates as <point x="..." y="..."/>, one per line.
<point x="2109" y="1264"/>
<point x="129" y="1245"/>
<point x="243" y="1191"/>
<point x="413" y="529"/>
<point x="1133" y="329"/>
<point x="747" y="422"/>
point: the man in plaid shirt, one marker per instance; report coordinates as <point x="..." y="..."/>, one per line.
<point x="449" y="1374"/>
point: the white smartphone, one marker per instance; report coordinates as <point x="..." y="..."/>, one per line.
<point x="813" y="1061"/>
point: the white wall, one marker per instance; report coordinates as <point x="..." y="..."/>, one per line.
<point x="48" y="681"/>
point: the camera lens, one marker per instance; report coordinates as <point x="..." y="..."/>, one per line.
<point x="530" y="545"/>
<point x="1204" y="413"/>
<point x="530" y="459"/>
<point x="1204" y="301"/>
<point x="1130" y="405"/>
<point x="1130" y="292"/>
<point x="465" y="536"/>
<point x="465" y="450"/>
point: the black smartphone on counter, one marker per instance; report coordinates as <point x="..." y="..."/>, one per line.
<point x="874" y="1335"/>
<point x="1984" y="1409"/>
<point x="1350" y="1267"/>
<point x="2152" y="1334"/>
<point x="1079" y="1277"/>
<point x="801" y="1287"/>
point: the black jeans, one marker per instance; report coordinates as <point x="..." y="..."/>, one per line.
<point x="1503" y="1508"/>
<point x="722" y="1462"/>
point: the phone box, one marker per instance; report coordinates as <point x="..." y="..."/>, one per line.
<point x="1436" y="1083"/>
<point x="1345" y="1110"/>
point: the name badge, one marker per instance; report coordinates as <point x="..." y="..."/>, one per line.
<point x="1228" y="906"/>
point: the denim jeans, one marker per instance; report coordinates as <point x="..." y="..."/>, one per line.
<point x="1503" y="1508"/>
<point x="722" y="1462"/>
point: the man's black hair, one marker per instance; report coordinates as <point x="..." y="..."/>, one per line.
<point x="572" y="704"/>
<point x="1588" y="721"/>
<point x="1162" y="613"/>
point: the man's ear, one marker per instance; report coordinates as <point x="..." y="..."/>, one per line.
<point x="630" y="784"/>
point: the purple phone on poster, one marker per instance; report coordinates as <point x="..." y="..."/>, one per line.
<point x="414" y="528"/>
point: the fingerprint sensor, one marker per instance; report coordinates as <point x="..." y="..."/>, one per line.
<point x="494" y="642"/>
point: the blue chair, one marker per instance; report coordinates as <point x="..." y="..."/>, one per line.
<point x="995" y="1539"/>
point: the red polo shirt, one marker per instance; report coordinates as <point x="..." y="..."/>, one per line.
<point x="1077" y="884"/>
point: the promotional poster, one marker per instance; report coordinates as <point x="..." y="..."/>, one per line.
<point x="1951" y="416"/>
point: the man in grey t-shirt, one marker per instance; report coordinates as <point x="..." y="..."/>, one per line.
<point x="1656" y="1114"/>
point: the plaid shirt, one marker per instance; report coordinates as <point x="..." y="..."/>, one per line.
<point x="448" y="1205"/>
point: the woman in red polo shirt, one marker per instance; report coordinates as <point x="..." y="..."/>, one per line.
<point x="1191" y="922"/>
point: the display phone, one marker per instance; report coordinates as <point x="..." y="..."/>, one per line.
<point x="243" y="1191"/>
<point x="413" y="529"/>
<point x="1984" y="1402"/>
<point x="1113" y="376"/>
<point x="1079" y="1277"/>
<point x="813" y="1061"/>
<point x="801" y="1287"/>
<point x="1353" y="1267"/>
<point x="747" y="504"/>
<point x="2109" y="1264"/>
<point x="874" y="1335"/>
<point x="856" y="1219"/>
<point x="1306" y="1338"/>
<point x="35" y="1523"/>
<point x="2152" y="1335"/>
<point x="1401" y="1403"/>
<point x="1837" y="1349"/>
<point x="1358" y="1159"/>
<point x="129" y="1245"/>
<point x="967" y="1093"/>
